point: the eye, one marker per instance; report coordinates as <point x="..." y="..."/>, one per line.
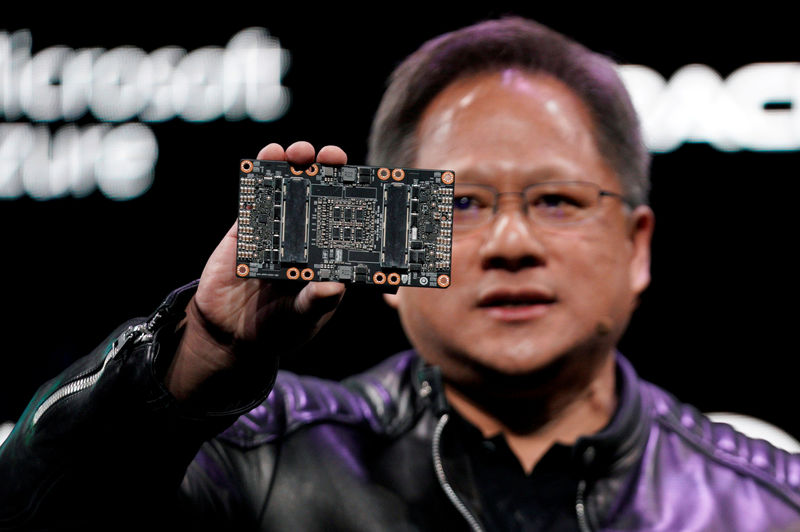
<point x="555" y="200"/>
<point x="466" y="202"/>
<point x="558" y="206"/>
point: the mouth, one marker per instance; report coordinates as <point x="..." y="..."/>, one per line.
<point x="501" y="298"/>
<point x="516" y="305"/>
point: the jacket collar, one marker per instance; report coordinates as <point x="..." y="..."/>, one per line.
<point x="611" y="451"/>
<point x="621" y="443"/>
<point x="604" y="460"/>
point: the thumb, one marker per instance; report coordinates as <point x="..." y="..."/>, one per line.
<point x="318" y="298"/>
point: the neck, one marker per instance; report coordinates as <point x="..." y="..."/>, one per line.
<point x="532" y="423"/>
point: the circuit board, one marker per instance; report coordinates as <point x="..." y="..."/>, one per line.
<point x="386" y="227"/>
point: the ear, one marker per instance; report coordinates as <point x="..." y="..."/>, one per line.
<point x="642" y="222"/>
<point x="393" y="300"/>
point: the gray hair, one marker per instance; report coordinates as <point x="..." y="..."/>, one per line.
<point x="512" y="42"/>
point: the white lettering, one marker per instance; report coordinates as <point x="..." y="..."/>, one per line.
<point x="119" y="160"/>
<point x="697" y="105"/>
<point x="255" y="92"/>
<point x="39" y="84"/>
<point x="76" y="82"/>
<point x="242" y="80"/>
<point x="755" y="86"/>
<point x="239" y="81"/>
<point x="15" y="52"/>
<point x="161" y="66"/>
<point x="197" y="85"/>
<point x="16" y="143"/>
<point x="124" y="167"/>
<point x="117" y="92"/>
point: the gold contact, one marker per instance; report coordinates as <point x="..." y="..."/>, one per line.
<point x="443" y="280"/>
<point x="394" y="278"/>
<point x="384" y="173"/>
<point x="307" y="274"/>
<point x="378" y="277"/>
<point x="246" y="166"/>
<point x="292" y="273"/>
<point x="243" y="270"/>
<point x="398" y="174"/>
<point x="312" y="170"/>
<point x="448" y="178"/>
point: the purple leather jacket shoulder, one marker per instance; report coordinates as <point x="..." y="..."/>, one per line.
<point x="694" y="474"/>
<point x="382" y="400"/>
<point x="658" y="465"/>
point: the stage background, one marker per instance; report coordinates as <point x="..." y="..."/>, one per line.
<point x="715" y="327"/>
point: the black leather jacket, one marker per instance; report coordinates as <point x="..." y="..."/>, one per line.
<point x="105" y="446"/>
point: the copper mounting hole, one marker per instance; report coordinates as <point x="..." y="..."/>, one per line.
<point x="448" y="178"/>
<point x="312" y="170"/>
<point x="398" y="174"/>
<point x="295" y="172"/>
<point x="383" y="174"/>
<point x="242" y="270"/>
<point x="307" y="274"/>
<point x="246" y="166"/>
<point x="443" y="281"/>
<point x="394" y="278"/>
<point x="378" y="277"/>
<point x="292" y="273"/>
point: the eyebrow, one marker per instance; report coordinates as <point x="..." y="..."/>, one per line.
<point x="477" y="176"/>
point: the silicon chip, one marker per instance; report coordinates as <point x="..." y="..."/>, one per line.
<point x="357" y="224"/>
<point x="294" y="225"/>
<point x="395" y="226"/>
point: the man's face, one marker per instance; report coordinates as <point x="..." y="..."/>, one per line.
<point x="524" y="296"/>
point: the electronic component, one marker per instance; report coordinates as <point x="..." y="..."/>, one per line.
<point x="386" y="227"/>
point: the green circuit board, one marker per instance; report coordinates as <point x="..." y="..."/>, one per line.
<point x="380" y="226"/>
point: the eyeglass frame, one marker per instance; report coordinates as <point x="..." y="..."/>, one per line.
<point x="601" y="193"/>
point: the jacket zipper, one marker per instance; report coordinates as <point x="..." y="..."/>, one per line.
<point x="444" y="483"/>
<point x="580" y="508"/>
<point x="580" y="505"/>
<point x="136" y="333"/>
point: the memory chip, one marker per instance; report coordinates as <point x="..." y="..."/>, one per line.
<point x="356" y="224"/>
<point x="294" y="225"/>
<point x="395" y="226"/>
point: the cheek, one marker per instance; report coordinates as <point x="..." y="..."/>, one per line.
<point x="466" y="257"/>
<point x="596" y="271"/>
<point x="432" y="314"/>
<point x="426" y="318"/>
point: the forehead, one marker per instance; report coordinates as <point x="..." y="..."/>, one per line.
<point x="511" y="128"/>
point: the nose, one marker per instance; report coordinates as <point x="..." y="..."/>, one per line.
<point x="511" y="241"/>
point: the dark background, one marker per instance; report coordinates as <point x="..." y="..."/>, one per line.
<point x="715" y="327"/>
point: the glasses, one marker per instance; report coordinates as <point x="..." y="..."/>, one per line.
<point x="551" y="204"/>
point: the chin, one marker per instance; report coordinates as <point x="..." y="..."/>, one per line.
<point x="511" y="365"/>
<point x="520" y="370"/>
<point x="515" y="351"/>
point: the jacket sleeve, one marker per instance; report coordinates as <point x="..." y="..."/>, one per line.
<point x="105" y="439"/>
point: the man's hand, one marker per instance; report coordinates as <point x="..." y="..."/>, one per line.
<point x="235" y="327"/>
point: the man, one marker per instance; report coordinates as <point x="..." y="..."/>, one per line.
<point x="514" y="412"/>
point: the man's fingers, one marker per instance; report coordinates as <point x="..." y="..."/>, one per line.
<point x="319" y="298"/>
<point x="332" y="155"/>
<point x="272" y="152"/>
<point x="300" y="153"/>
